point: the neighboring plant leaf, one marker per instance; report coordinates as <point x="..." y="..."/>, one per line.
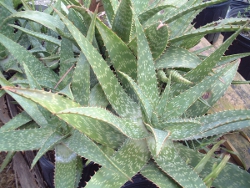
<point x="229" y="58"/>
<point x="67" y="92"/>
<point x="109" y="9"/>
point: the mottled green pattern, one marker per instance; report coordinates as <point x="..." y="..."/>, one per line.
<point x="144" y="102"/>
<point x="65" y="167"/>
<point x="38" y="35"/>
<point x="121" y="26"/>
<point x="146" y="72"/>
<point x="20" y="140"/>
<point x="113" y="90"/>
<point x="127" y="160"/>
<point x="140" y="6"/>
<point x="97" y="97"/>
<point x="155" y="143"/>
<point x="81" y="81"/>
<point x="211" y="96"/>
<point x="51" y="141"/>
<point x="179" y="104"/>
<point x="98" y="121"/>
<point x="177" y="57"/>
<point x="16" y="122"/>
<point x="120" y="55"/>
<point x="43" y="75"/>
<point x="240" y="178"/>
<point x="83" y="146"/>
<point x="170" y="162"/>
<point x="39" y="17"/>
<point x="152" y="172"/>
<point x="157" y="36"/>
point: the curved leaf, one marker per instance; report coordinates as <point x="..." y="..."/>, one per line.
<point x="117" y="97"/>
<point x="100" y="119"/>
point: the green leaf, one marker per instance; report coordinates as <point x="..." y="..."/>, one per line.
<point x="67" y="92"/>
<point x="51" y="141"/>
<point x="157" y="36"/>
<point x="20" y="140"/>
<point x="175" y="57"/>
<point x="7" y="160"/>
<point x="38" y="35"/>
<point x="144" y="102"/>
<point x="172" y="164"/>
<point x="99" y="123"/>
<point x="140" y="6"/>
<point x="200" y="166"/>
<point x="144" y="16"/>
<point x="156" y="142"/>
<point x="179" y="104"/>
<point x="119" y="100"/>
<point x="81" y="81"/>
<point x="153" y="173"/>
<point x="181" y="128"/>
<point x="146" y="72"/>
<point x="120" y="25"/>
<point x="97" y="97"/>
<point x="121" y="56"/>
<point x="39" y="17"/>
<point x="16" y="122"/>
<point x="211" y="96"/>
<point x="229" y="58"/>
<point x="31" y="79"/>
<point x="209" y="63"/>
<point x="51" y="101"/>
<point x="222" y="122"/>
<point x="29" y="106"/>
<point x="231" y="176"/>
<point x="65" y="167"/>
<point x="87" y="148"/>
<point x="44" y="76"/>
<point x="110" y="7"/>
<point x="130" y="158"/>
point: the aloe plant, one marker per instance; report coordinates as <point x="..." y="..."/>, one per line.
<point x="125" y="95"/>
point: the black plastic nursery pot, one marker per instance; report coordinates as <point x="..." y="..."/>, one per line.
<point x="242" y="42"/>
<point x="211" y="14"/>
